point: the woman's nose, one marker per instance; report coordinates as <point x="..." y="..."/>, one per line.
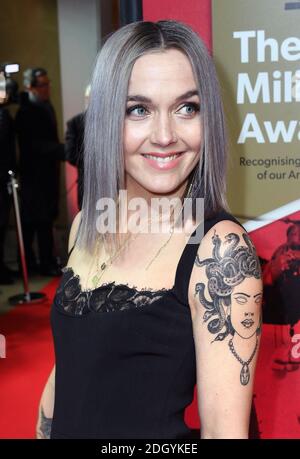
<point x="163" y="132"/>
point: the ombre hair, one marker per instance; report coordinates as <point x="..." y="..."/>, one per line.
<point x="104" y="170"/>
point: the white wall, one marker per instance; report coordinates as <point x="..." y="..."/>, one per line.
<point x="79" y="27"/>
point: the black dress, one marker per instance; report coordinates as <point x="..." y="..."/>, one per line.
<point x="125" y="358"/>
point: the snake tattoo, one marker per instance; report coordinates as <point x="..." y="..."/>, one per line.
<point x="224" y="272"/>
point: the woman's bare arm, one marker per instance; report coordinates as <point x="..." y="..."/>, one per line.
<point x="225" y="297"/>
<point x="46" y="405"/>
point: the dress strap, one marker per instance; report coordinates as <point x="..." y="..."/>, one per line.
<point x="71" y="250"/>
<point x="187" y="259"/>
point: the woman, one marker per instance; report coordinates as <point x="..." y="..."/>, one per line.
<point x="141" y="317"/>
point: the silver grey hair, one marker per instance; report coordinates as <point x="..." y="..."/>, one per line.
<point x="104" y="173"/>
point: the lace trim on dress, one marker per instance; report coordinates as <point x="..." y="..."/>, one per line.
<point x="108" y="297"/>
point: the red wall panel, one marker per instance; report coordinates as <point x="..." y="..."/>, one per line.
<point x="195" y="13"/>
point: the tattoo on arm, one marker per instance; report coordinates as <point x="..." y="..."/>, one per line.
<point x="234" y="285"/>
<point x="44" y="430"/>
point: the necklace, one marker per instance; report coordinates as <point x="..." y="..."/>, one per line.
<point x="103" y="267"/>
<point x="96" y="278"/>
<point x="161" y="248"/>
<point x="245" y="372"/>
<point x="106" y="264"/>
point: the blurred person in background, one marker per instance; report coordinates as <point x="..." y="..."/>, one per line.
<point x="281" y="277"/>
<point x="7" y="162"/>
<point x="74" y="145"/>
<point x="282" y="272"/>
<point x="40" y="156"/>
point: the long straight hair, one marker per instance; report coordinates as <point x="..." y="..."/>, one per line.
<point x="104" y="171"/>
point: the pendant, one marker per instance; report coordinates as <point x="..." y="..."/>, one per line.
<point x="245" y="374"/>
<point x="103" y="266"/>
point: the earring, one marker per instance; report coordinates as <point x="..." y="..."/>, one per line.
<point x="193" y="180"/>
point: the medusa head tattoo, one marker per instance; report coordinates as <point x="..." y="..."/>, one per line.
<point x="233" y="308"/>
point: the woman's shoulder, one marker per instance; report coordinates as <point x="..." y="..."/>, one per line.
<point x="222" y="219"/>
<point x="224" y="245"/>
<point x="220" y="229"/>
<point x="74" y="231"/>
<point x="216" y="230"/>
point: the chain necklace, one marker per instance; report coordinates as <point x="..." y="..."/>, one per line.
<point x="107" y="263"/>
<point x="96" y="278"/>
<point x="245" y="372"/>
<point x="103" y="267"/>
<point x="161" y="248"/>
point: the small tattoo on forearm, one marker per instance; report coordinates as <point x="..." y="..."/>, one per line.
<point x="45" y="425"/>
<point x="234" y="286"/>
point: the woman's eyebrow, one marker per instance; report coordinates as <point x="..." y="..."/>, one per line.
<point x="140" y="98"/>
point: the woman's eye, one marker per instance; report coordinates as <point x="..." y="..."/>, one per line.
<point x="192" y="108"/>
<point x="131" y="110"/>
<point x="140" y="110"/>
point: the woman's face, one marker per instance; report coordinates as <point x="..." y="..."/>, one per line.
<point x="161" y="120"/>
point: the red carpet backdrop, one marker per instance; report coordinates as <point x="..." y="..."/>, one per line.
<point x="25" y="370"/>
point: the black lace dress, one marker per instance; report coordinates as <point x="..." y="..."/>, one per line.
<point x="125" y="358"/>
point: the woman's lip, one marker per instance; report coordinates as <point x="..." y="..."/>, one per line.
<point x="163" y="155"/>
<point x="159" y="165"/>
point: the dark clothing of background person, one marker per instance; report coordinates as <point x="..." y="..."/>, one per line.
<point x="7" y="162"/>
<point x="281" y="298"/>
<point x="288" y="283"/>
<point x="74" y="143"/>
<point x="40" y="156"/>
